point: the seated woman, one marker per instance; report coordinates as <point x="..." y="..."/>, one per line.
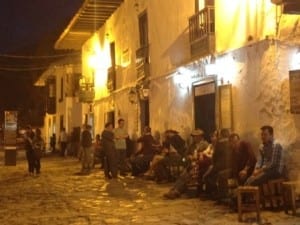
<point x="199" y="163"/>
<point x="142" y="158"/>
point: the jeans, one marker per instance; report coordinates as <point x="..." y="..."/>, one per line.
<point x="262" y="178"/>
<point x="121" y="156"/>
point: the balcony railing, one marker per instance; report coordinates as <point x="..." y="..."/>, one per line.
<point x="202" y="24"/>
<point x="142" y="63"/>
<point x="202" y="31"/>
<point x="142" y="52"/>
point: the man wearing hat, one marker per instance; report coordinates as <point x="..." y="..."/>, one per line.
<point x="191" y="171"/>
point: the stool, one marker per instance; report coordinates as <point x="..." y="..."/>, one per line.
<point x="253" y="192"/>
<point x="272" y="193"/>
<point x="289" y="195"/>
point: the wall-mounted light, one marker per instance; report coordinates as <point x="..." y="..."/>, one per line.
<point x="211" y="67"/>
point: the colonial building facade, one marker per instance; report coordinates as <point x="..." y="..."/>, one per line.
<point x="181" y="65"/>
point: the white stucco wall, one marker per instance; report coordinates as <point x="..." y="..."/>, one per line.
<point x="257" y="69"/>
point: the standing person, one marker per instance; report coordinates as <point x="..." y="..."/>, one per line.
<point x="120" y="135"/>
<point x="63" y="140"/>
<point x="98" y="152"/>
<point x="28" y="137"/>
<point x="53" y="143"/>
<point x="87" y="150"/>
<point x="108" y="144"/>
<point x="270" y="160"/>
<point x="38" y="144"/>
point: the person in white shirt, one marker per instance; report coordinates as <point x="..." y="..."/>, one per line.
<point x="63" y="140"/>
<point x="120" y="135"/>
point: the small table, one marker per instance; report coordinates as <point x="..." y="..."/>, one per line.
<point x="290" y="195"/>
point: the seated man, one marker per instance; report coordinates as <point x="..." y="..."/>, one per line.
<point x="244" y="159"/>
<point x="215" y="178"/>
<point x="142" y="158"/>
<point x="199" y="158"/>
<point x="270" y="161"/>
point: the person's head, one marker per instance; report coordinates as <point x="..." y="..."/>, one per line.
<point x="38" y="132"/>
<point x="88" y="127"/>
<point x="147" y="130"/>
<point x="267" y="133"/>
<point x="63" y="129"/>
<point x="197" y="135"/>
<point x="109" y="126"/>
<point x="214" y="137"/>
<point x="121" y="122"/>
<point x="234" y="139"/>
<point x="224" y="133"/>
<point x="97" y="136"/>
<point x="28" y="130"/>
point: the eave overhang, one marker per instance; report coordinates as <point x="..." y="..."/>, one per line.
<point x="89" y="18"/>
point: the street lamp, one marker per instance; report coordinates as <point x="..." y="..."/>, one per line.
<point x="132" y="96"/>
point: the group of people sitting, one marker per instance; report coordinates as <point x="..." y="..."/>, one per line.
<point x="231" y="158"/>
<point x="208" y="164"/>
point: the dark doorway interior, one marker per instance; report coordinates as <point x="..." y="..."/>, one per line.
<point x="204" y="107"/>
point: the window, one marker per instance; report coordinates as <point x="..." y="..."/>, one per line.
<point x="143" y="29"/>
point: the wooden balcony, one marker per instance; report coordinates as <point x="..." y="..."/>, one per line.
<point x="202" y="32"/>
<point x="86" y="92"/>
<point x="142" y="62"/>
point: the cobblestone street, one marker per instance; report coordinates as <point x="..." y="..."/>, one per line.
<point x="60" y="197"/>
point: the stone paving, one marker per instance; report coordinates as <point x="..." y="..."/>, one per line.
<point x="61" y="197"/>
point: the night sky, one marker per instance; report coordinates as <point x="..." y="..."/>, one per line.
<point x="29" y="28"/>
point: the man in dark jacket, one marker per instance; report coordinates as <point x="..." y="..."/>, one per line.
<point x="215" y="178"/>
<point x="87" y="150"/>
<point x="110" y="154"/>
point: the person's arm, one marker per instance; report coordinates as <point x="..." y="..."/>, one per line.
<point x="208" y="152"/>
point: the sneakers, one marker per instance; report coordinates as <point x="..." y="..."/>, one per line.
<point x="172" y="194"/>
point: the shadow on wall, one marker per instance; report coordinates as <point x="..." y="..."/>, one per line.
<point x="181" y="44"/>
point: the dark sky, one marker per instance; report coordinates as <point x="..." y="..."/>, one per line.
<point x="30" y="28"/>
<point x="25" y="23"/>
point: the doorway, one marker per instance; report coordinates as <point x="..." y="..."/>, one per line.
<point x="110" y="117"/>
<point x="145" y="115"/>
<point x="205" y="107"/>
